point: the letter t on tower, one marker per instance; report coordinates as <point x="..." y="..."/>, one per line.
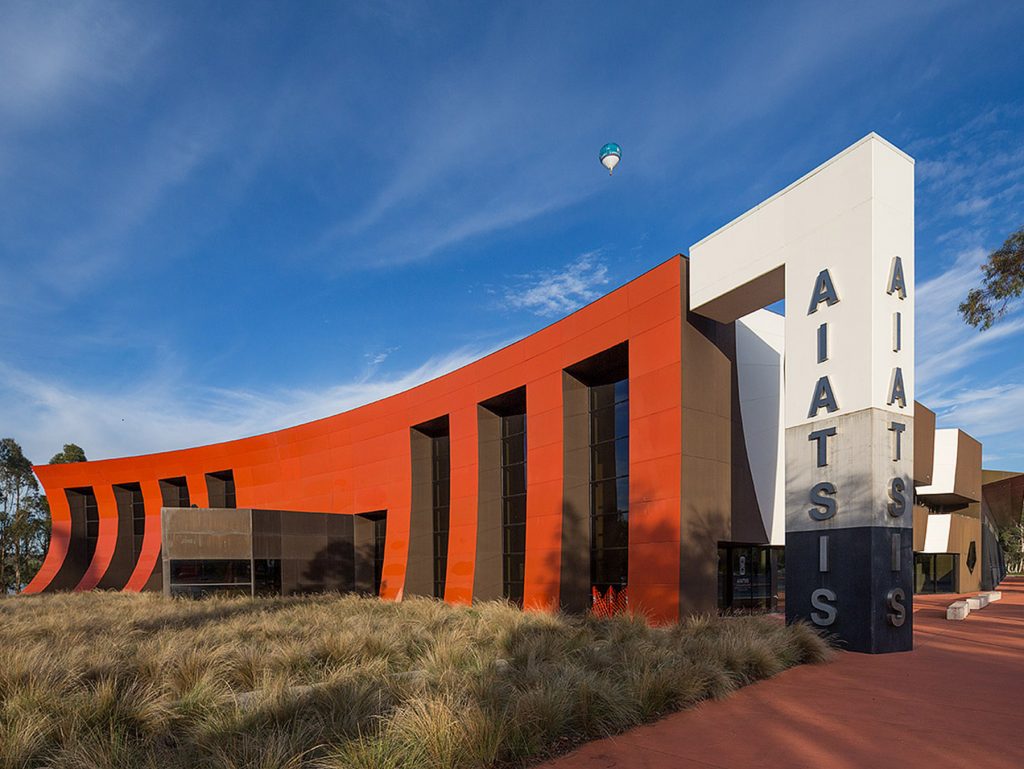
<point x="838" y="245"/>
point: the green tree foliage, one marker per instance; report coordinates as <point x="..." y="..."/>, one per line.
<point x="1012" y="540"/>
<point x="71" y="452"/>
<point x="24" y="519"/>
<point x="1003" y="283"/>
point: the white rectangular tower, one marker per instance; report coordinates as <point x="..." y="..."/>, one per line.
<point x="838" y="244"/>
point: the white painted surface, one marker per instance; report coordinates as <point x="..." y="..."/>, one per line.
<point x="958" y="610"/>
<point x="851" y="215"/>
<point x="936" y="536"/>
<point x="944" y="465"/>
<point x="760" y="343"/>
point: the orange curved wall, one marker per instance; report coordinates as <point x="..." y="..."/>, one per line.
<point x="359" y="460"/>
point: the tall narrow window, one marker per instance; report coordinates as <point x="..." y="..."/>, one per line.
<point x="221" y="488"/>
<point x="441" y="473"/>
<point x="131" y="505"/>
<point x="513" y="506"/>
<point x="174" y="492"/>
<point x="92" y="520"/>
<point x="609" y="485"/>
<point x="380" y="528"/>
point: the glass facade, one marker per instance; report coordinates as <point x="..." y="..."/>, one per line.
<point x="936" y="572"/>
<point x="222" y="576"/>
<point x="195" y="579"/>
<point x="266" y="577"/>
<point x="513" y="506"/>
<point x="609" y="485"/>
<point x="751" y="577"/>
<point x="441" y="474"/>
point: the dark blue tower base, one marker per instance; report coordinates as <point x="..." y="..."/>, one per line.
<point x="867" y="613"/>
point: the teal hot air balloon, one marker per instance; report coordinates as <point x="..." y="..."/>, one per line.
<point x="610" y="155"/>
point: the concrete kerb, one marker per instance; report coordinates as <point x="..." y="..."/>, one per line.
<point x="958" y="610"/>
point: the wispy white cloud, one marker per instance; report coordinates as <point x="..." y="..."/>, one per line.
<point x="946" y="346"/>
<point x="56" y="55"/>
<point x="971" y="206"/>
<point x="379" y="356"/>
<point x="550" y="293"/>
<point x="991" y="411"/>
<point x="970" y="185"/>
<point x="159" y="413"/>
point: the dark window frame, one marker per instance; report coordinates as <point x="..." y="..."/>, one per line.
<point x="90" y="517"/>
<point x="949" y="584"/>
<point x="440" y="474"/>
<point x="765" y="593"/>
<point x="180" y="496"/>
<point x="609" y="522"/>
<point x="227" y="477"/>
<point x="513" y="507"/>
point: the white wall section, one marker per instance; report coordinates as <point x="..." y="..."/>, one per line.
<point x="936" y="537"/>
<point x="760" y="344"/>
<point x="944" y="465"/>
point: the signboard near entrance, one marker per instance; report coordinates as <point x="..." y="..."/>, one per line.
<point x="839" y="246"/>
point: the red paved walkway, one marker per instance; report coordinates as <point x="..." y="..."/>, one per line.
<point x="957" y="700"/>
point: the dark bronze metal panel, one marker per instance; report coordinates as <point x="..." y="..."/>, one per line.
<point x="123" y="561"/>
<point x="76" y="561"/>
<point x="574" y="580"/>
<point x="362" y="539"/>
<point x="419" y="571"/>
<point x="487" y="574"/>
<point x="706" y="507"/>
<point x="924" y="444"/>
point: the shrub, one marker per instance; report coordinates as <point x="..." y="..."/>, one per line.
<point x="117" y="680"/>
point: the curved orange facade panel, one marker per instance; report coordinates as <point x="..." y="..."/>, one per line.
<point x="359" y="460"/>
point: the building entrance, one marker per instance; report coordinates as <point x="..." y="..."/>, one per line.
<point x="751" y="577"/>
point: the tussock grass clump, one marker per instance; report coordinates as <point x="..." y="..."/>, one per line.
<point x="323" y="682"/>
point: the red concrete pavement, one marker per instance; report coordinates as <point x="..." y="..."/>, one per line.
<point x="957" y="700"/>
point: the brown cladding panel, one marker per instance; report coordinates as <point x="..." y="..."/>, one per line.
<point x="920" y="526"/>
<point x="322" y="548"/>
<point x="487" y="575"/>
<point x="419" y="572"/>
<point x="122" y="563"/>
<point x="76" y="561"/>
<point x="706" y="510"/>
<point x="967" y="482"/>
<point x="220" y="488"/>
<point x="266" y="534"/>
<point x="1004" y="497"/>
<point x="962" y="531"/>
<point x="747" y="525"/>
<point x="924" y="444"/>
<point x="574" y="571"/>
<point x="362" y="545"/>
<point x="191" y="533"/>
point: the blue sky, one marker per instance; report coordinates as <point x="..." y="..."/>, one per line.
<point x="222" y="218"/>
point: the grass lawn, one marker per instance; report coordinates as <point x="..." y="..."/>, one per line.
<point x="113" y="680"/>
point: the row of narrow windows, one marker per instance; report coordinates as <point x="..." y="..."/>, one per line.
<point x="220" y="488"/>
<point x="608" y="428"/>
<point x="608" y="439"/>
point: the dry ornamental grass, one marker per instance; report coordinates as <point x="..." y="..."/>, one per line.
<point x="113" y="680"/>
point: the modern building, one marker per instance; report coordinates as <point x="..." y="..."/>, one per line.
<point x="636" y="445"/>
